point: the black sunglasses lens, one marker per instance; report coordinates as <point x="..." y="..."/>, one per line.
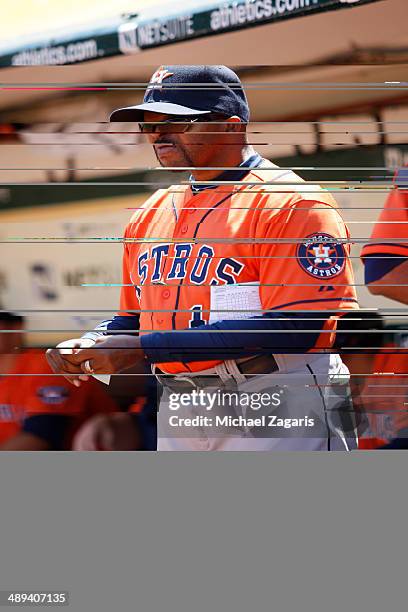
<point x="145" y="128"/>
<point x="168" y="125"/>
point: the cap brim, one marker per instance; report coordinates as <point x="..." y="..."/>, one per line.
<point x="136" y="113"/>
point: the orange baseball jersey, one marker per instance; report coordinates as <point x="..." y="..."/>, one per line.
<point x="289" y="238"/>
<point x="390" y="233"/>
<point x="25" y="396"/>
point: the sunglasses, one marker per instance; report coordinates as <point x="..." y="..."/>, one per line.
<point x="177" y="124"/>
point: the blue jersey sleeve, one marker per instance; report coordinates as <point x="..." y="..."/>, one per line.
<point x="232" y="339"/>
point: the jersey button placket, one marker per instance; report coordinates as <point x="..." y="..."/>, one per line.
<point x="165" y="294"/>
<point x="181" y="228"/>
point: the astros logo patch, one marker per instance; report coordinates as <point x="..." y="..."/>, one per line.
<point x="158" y="77"/>
<point x="321" y="256"/>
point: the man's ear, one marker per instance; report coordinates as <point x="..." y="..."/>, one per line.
<point x="233" y="124"/>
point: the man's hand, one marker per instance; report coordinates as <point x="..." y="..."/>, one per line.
<point x="59" y="359"/>
<point x="108" y="432"/>
<point x="108" y="355"/>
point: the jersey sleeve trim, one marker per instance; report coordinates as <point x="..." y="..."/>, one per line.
<point x="377" y="267"/>
<point x="337" y="299"/>
<point x="378" y="248"/>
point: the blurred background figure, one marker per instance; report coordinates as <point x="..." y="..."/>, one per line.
<point x="40" y="411"/>
<point x="133" y="429"/>
<point x="370" y="352"/>
<point x="385" y="260"/>
<point x="391" y="388"/>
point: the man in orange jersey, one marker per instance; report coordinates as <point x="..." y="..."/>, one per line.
<point x="38" y="410"/>
<point x="385" y="260"/>
<point x="385" y="256"/>
<point x="232" y="283"/>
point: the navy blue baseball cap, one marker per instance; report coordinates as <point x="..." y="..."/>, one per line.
<point x="190" y="90"/>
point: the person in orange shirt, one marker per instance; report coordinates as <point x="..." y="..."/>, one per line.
<point x="39" y="410"/>
<point x="385" y="256"/>
<point x="385" y="260"/>
<point x="233" y="278"/>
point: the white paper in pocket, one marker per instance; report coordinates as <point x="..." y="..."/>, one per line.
<point x="240" y="301"/>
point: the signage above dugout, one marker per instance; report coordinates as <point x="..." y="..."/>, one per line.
<point x="219" y="17"/>
<point x="156" y="27"/>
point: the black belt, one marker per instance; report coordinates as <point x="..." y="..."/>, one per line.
<point x="261" y="364"/>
